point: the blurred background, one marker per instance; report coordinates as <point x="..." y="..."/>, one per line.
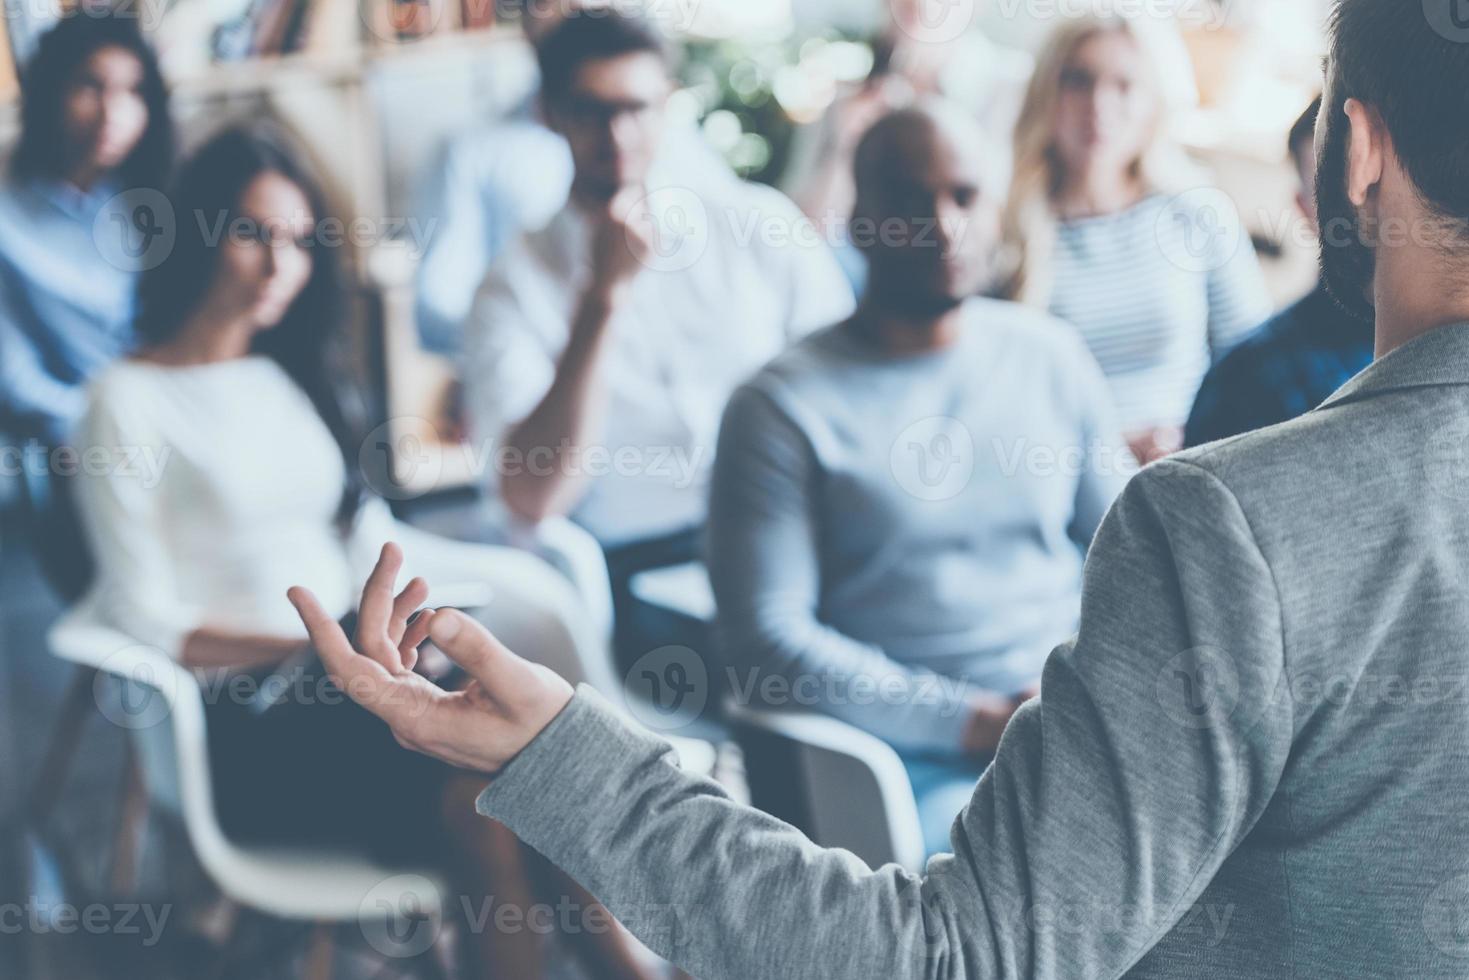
<point x="377" y="89"/>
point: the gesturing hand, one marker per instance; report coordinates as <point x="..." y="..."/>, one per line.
<point x="481" y="727"/>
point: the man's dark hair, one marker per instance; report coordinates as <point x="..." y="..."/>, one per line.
<point x="1410" y="63"/>
<point x="592" y="34"/>
<point x="1303" y="132"/>
<point x="46" y="82"/>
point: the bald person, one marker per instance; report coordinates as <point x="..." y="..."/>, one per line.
<point x="1251" y="761"/>
<point x="902" y="502"/>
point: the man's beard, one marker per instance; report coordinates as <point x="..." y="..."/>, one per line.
<point x="897" y="295"/>
<point x="1347" y="262"/>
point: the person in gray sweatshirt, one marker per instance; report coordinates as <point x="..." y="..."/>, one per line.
<point x="901" y="503"/>
<point x="1252" y="759"/>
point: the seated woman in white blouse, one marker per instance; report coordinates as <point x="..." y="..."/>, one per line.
<point x="235" y="394"/>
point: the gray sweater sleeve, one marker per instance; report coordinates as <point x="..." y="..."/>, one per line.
<point x="1158" y="739"/>
<point x="765" y="569"/>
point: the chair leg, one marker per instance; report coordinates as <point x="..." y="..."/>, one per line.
<point x="76" y="708"/>
<point x="132" y="825"/>
<point x="319" y="950"/>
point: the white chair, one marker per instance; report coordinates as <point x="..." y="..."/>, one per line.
<point x="166" y="722"/>
<point x="529" y="605"/>
<point x="851" y="789"/>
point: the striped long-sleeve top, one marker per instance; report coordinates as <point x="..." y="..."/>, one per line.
<point x="1159" y="292"/>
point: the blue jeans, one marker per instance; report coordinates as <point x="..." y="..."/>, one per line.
<point x="942" y="785"/>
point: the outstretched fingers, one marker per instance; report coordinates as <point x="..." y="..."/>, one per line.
<point x="349" y="670"/>
<point x="413" y="637"/>
<point x="377" y="593"/>
<point x="466" y="642"/>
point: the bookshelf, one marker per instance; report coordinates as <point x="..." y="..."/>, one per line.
<point x="325" y="67"/>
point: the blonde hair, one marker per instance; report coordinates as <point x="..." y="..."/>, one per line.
<point x="1029" y="222"/>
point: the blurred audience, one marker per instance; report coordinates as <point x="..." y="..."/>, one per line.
<point x="603" y="348"/>
<point x="926" y="48"/>
<point x="237" y="388"/>
<point x="94" y="124"/>
<point x="497" y="181"/>
<point x="902" y="502"/>
<point x="1111" y="229"/>
<point x="1299" y="357"/>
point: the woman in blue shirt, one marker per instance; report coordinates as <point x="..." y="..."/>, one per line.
<point x="81" y="214"/>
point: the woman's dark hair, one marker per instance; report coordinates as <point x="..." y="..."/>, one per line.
<point x="47" y="80"/>
<point x="307" y="341"/>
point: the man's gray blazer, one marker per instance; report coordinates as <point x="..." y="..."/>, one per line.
<point x="1253" y="760"/>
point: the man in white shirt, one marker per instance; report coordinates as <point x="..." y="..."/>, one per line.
<point x="602" y="349"/>
<point x="497" y="181"/>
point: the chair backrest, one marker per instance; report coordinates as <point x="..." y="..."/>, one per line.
<point x="160" y="706"/>
<point x="841" y="786"/>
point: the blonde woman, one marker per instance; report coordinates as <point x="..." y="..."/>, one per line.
<point x="1112" y="229"/>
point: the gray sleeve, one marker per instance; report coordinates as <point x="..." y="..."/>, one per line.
<point x="1159" y="737"/>
<point x="765" y="567"/>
